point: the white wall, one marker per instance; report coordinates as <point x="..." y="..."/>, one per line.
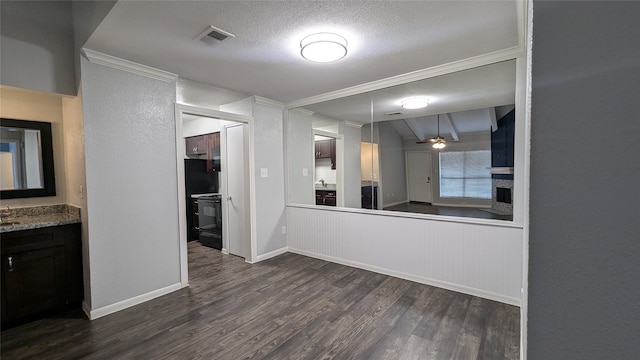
<point x="478" y="259"/>
<point x="132" y="196"/>
<point x="268" y="149"/>
<point x="36" y="46"/>
<point x="392" y="166"/>
<point x="352" y="184"/>
<point x="200" y="126"/>
<point x="300" y="149"/>
<point x="24" y="104"/>
<point x="197" y="94"/>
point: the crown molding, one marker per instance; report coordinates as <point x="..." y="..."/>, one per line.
<point x="268" y="102"/>
<point x="303" y="111"/>
<point x="353" y="124"/>
<point x="129" y="66"/>
<point x="476" y="61"/>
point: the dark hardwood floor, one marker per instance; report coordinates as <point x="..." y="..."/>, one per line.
<point x="426" y="208"/>
<point x="288" y="307"/>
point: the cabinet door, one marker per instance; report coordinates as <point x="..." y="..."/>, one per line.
<point x="323" y="149"/>
<point x="213" y="152"/>
<point x="196" y="145"/>
<point x="330" y="198"/>
<point x="31" y="281"/>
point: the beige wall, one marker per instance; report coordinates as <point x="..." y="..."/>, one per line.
<point x="30" y="105"/>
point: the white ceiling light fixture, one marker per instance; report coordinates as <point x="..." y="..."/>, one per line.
<point x="416" y="102"/>
<point x="323" y="47"/>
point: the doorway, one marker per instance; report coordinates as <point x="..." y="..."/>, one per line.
<point x="419" y="176"/>
<point x="328" y="167"/>
<point x="237" y="223"/>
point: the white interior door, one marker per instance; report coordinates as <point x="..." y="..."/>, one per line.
<point x="236" y="196"/>
<point x="419" y="176"/>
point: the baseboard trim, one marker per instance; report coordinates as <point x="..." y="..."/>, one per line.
<point x="87" y="309"/>
<point x="110" y="309"/>
<point x="271" y="254"/>
<point x="419" y="279"/>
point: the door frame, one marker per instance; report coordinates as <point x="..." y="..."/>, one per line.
<point x="339" y="164"/>
<point x="183" y="109"/>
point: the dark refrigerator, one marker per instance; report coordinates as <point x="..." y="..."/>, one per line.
<point x="197" y="181"/>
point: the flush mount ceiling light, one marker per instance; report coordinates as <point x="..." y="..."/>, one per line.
<point x="416" y="102"/>
<point x="323" y="47"/>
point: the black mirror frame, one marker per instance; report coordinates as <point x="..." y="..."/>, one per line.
<point x="49" y="188"/>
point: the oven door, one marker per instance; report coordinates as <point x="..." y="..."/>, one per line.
<point x="210" y="222"/>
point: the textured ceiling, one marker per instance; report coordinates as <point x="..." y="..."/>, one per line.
<point x="386" y="38"/>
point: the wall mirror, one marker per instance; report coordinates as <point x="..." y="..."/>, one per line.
<point x="26" y="159"/>
<point x="387" y="159"/>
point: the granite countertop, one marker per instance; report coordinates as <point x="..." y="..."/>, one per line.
<point x="38" y="217"/>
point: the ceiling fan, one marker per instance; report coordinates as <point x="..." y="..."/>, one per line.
<point x="438" y="142"/>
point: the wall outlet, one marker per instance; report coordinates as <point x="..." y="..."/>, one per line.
<point x="264" y="172"/>
<point x="284" y="230"/>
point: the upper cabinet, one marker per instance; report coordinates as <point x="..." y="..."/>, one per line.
<point x="326" y="149"/>
<point x="196" y="145"/>
<point x="205" y="146"/>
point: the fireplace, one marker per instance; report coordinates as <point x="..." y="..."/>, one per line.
<point x="502" y="196"/>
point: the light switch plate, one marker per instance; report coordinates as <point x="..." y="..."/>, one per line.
<point x="264" y="172"/>
<point x="305" y="172"/>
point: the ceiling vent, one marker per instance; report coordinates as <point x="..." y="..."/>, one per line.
<point x="213" y="35"/>
<point x="393" y="113"/>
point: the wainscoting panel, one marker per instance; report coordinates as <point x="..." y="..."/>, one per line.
<point x="478" y="259"/>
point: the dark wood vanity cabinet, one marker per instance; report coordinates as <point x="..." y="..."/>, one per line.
<point x="41" y="272"/>
<point x="326" y="197"/>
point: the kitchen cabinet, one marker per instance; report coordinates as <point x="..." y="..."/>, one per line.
<point x="205" y="146"/>
<point x="196" y="145"/>
<point x="41" y="272"/>
<point x="326" y="197"/>
<point x="326" y="149"/>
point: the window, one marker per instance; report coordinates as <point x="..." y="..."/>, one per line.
<point x="465" y="174"/>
